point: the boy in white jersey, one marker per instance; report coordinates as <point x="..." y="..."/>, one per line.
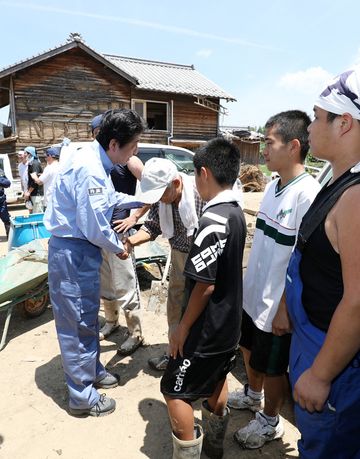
<point x="265" y="337"/>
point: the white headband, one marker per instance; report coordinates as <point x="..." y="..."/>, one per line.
<point x="343" y="94"/>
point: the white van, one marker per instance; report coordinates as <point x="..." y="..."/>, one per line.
<point x="181" y="157"/>
<point x="14" y="193"/>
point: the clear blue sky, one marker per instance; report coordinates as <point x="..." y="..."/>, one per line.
<point x="270" y="55"/>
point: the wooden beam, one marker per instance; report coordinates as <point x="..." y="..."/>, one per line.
<point x="12" y="107"/>
<point x="37" y="126"/>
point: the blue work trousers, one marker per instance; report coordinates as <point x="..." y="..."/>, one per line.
<point x="333" y="433"/>
<point x="74" y="284"/>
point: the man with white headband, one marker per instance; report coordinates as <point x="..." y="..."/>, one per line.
<point x="323" y="288"/>
<point x="174" y="214"/>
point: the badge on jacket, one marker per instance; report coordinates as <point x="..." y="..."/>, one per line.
<point x="94" y="191"/>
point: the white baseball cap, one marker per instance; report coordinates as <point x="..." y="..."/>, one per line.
<point x="156" y="176"/>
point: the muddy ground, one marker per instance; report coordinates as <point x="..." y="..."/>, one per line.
<point x="34" y="423"/>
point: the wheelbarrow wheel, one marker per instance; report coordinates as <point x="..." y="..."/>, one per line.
<point x="34" y="307"/>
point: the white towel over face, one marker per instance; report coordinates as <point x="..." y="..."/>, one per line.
<point x="342" y="95"/>
<point x="187" y="210"/>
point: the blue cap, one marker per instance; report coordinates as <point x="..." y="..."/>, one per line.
<point x="31" y="151"/>
<point x="95" y="122"/>
<point x="53" y="151"/>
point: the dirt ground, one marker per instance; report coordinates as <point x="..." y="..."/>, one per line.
<point x="34" y="423"/>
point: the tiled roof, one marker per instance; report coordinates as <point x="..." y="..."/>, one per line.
<point x="145" y="74"/>
<point x="167" y="77"/>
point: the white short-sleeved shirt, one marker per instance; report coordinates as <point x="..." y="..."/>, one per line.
<point x="48" y="179"/>
<point x="277" y="225"/>
<point x="23" y="172"/>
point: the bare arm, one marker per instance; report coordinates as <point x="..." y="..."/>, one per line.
<point x="343" y="337"/>
<point x="122" y="225"/>
<point x="28" y="192"/>
<point x="135" y="166"/>
<point x="198" y="300"/>
<point x="139" y="237"/>
<point x="36" y="179"/>
<point x="281" y="323"/>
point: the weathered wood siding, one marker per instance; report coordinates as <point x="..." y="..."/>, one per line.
<point x="190" y="121"/>
<point x="58" y="97"/>
<point x="249" y="151"/>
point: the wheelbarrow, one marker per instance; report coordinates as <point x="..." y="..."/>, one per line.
<point x="23" y="281"/>
<point x="153" y="252"/>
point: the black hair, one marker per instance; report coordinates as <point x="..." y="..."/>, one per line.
<point x="291" y="125"/>
<point x="331" y="116"/>
<point x="122" y="125"/>
<point x="221" y="157"/>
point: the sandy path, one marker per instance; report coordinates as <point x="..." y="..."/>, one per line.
<point x="34" y="422"/>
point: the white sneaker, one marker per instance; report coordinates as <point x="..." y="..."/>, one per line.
<point x="240" y="400"/>
<point x="107" y="329"/>
<point x="258" y="432"/>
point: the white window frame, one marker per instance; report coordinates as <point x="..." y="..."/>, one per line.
<point x="144" y="102"/>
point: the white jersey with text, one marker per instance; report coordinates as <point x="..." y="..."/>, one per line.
<point x="277" y="225"/>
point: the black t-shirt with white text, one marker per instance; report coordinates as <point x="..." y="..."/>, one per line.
<point x="216" y="258"/>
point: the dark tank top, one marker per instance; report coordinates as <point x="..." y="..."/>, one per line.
<point x="320" y="265"/>
<point x="320" y="270"/>
<point x="124" y="182"/>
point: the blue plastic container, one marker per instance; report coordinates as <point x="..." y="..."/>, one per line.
<point x="26" y="228"/>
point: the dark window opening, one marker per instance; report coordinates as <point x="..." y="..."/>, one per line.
<point x="154" y="113"/>
<point x="156" y="116"/>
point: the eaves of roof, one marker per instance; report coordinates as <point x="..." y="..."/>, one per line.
<point x="59" y="50"/>
<point x="144" y="74"/>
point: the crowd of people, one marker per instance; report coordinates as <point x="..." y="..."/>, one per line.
<point x="296" y="312"/>
<point x="36" y="183"/>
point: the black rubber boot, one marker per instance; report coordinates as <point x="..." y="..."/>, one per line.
<point x="214" y="431"/>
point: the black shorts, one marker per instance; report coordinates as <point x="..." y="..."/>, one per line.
<point x="269" y="353"/>
<point x="195" y="377"/>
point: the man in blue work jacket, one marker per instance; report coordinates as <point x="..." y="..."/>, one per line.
<point x="78" y="217"/>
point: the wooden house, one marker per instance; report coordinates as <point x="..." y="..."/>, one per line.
<point x="55" y="94"/>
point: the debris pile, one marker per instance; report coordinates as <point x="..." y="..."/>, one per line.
<point x="252" y="178"/>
